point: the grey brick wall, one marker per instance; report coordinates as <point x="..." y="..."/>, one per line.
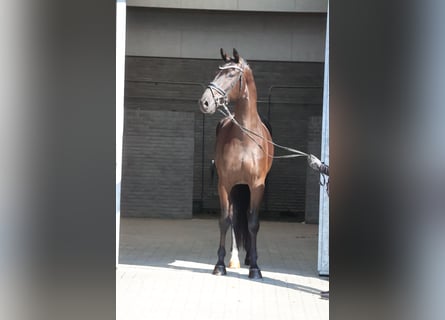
<point x="157" y="173"/>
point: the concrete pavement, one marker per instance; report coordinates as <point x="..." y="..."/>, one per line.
<point x="165" y="273"/>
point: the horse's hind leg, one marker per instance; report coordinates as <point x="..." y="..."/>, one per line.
<point x="234" y="260"/>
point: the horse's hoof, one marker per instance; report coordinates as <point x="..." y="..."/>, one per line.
<point x="234" y="264"/>
<point x="255" y="273"/>
<point x="219" y="270"/>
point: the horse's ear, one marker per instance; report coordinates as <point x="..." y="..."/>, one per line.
<point x="235" y="55"/>
<point x="224" y="55"/>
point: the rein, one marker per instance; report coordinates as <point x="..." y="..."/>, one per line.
<point x="296" y="153"/>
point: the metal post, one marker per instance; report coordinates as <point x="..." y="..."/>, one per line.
<point x="323" y="227"/>
<point x="121" y="7"/>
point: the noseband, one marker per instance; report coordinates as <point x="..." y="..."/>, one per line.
<point x="223" y="101"/>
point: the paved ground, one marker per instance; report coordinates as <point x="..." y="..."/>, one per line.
<point x="165" y="273"/>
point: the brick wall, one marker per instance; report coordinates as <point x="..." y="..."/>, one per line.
<point x="157" y="173"/>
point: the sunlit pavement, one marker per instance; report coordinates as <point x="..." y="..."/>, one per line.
<point x="165" y="272"/>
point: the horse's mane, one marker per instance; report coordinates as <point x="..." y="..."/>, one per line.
<point x="266" y="123"/>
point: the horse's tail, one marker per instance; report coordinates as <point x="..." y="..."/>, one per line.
<point x="240" y="196"/>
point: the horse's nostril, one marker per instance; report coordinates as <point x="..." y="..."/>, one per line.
<point x="206" y="103"/>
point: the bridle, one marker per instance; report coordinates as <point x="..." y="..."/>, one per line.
<point x="223" y="101"/>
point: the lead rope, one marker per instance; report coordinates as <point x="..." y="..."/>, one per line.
<point x="249" y="133"/>
<point x="323" y="181"/>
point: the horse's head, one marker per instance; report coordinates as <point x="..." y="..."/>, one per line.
<point x="227" y="86"/>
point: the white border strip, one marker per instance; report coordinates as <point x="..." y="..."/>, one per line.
<point x="323" y="227"/>
<point x="121" y="9"/>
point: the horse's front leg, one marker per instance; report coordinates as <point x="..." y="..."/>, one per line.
<point x="224" y="224"/>
<point x="253" y="227"/>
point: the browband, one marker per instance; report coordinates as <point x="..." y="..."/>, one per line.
<point x="231" y="67"/>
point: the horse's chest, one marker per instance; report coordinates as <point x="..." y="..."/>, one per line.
<point x="239" y="158"/>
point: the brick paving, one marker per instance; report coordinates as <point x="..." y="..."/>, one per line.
<point x="165" y="267"/>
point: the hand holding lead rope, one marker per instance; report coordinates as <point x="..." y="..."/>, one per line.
<point x="320" y="167"/>
<point x="317" y="165"/>
<point x="314" y="162"/>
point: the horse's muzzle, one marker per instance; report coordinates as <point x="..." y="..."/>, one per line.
<point x="207" y="104"/>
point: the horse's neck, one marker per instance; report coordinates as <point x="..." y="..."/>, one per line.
<point x="246" y="112"/>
